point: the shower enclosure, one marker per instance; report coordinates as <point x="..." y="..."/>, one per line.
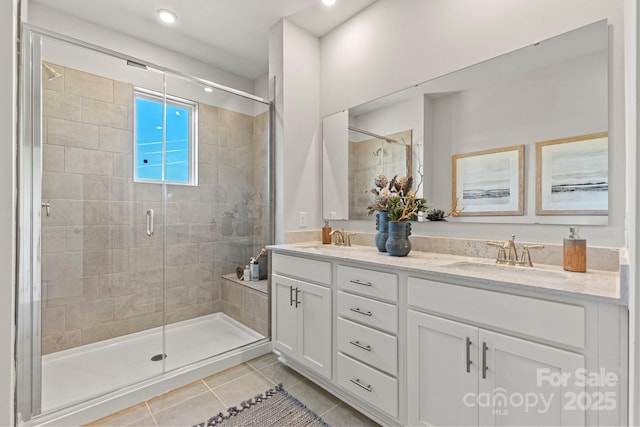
<point x="141" y="192"/>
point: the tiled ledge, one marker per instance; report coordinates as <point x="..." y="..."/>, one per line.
<point x="598" y="258"/>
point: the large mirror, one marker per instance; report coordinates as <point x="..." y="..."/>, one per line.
<point x="556" y="89"/>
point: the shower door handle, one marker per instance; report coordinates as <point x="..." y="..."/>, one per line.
<point x="149" y="222"/>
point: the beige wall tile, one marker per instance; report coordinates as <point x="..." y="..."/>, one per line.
<point x="96" y="187"/>
<point x="88" y="314"/>
<point x="123" y="93"/>
<point x="120" y="327"/>
<point x="122" y="165"/>
<point x="97" y="262"/>
<point x="61" y="341"/>
<point x="53" y="239"/>
<point x="115" y="140"/>
<point x="71" y="134"/>
<point x="88" y="85"/>
<point x="73" y="239"/>
<point x="96" y="237"/>
<point x="93" y="162"/>
<point x="128" y="306"/>
<point x="64" y="212"/>
<point x="61" y="266"/>
<point x="105" y="114"/>
<point x="61" y="186"/>
<point x="231" y="293"/>
<point x="96" y="213"/>
<point x="52" y="321"/>
<point x="61" y="105"/>
<point x="52" y="158"/>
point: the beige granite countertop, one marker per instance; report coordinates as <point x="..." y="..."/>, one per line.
<point x="603" y="286"/>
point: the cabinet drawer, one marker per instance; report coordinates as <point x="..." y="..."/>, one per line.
<point x="369" y="312"/>
<point x="303" y="268"/>
<point x="373" y="387"/>
<point x="547" y="320"/>
<point x="368" y="345"/>
<point x="370" y="283"/>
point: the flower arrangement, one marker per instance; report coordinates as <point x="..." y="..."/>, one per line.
<point x="381" y="193"/>
<point x="396" y="197"/>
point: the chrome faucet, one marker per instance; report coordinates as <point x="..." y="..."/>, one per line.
<point x="512" y="257"/>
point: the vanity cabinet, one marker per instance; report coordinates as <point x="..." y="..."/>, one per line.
<point x="302" y="314"/>
<point x="464" y="375"/>
<point x="407" y="346"/>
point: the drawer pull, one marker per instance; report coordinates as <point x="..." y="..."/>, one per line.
<point x="357" y="344"/>
<point x="357" y="382"/>
<point x="357" y="310"/>
<point x="359" y="282"/>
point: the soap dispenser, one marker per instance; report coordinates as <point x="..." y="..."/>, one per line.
<point x="574" y="252"/>
<point x="326" y="233"/>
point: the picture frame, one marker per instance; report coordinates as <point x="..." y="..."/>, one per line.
<point x="572" y="175"/>
<point x="489" y="182"/>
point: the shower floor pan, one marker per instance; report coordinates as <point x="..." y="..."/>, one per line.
<point x="80" y="373"/>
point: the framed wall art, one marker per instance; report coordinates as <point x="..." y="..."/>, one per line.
<point x="489" y="182"/>
<point x="572" y="175"/>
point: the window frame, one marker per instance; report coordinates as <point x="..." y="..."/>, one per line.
<point x="192" y="106"/>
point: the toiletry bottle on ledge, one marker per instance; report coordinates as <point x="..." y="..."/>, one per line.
<point x="247" y="273"/>
<point x="326" y="233"/>
<point x="255" y="270"/>
<point x="574" y="252"/>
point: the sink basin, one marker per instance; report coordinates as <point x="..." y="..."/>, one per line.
<point x="502" y="271"/>
<point x="317" y="246"/>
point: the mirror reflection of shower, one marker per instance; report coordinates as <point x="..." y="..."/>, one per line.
<point x="51" y="72"/>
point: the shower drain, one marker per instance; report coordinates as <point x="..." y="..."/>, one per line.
<point x="158" y="357"/>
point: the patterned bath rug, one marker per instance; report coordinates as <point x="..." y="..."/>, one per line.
<point x="274" y="408"/>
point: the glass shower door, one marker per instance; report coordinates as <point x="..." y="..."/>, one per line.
<point x="217" y="219"/>
<point x="100" y="224"/>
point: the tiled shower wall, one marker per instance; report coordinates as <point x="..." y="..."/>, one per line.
<point x="102" y="275"/>
<point x="365" y="162"/>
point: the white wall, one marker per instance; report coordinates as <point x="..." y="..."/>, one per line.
<point x="53" y="20"/>
<point x="394" y="44"/>
<point x="294" y="62"/>
<point x="8" y="128"/>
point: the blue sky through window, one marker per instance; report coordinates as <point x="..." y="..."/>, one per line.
<point x="149" y="141"/>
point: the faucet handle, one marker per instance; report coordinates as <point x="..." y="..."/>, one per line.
<point x="526" y="255"/>
<point x="348" y="235"/>
<point x="502" y="255"/>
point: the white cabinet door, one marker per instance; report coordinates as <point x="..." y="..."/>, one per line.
<point x="442" y="370"/>
<point x="285" y="315"/>
<point x="522" y="384"/>
<point x="314" y="335"/>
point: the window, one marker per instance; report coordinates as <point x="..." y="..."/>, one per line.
<point x="180" y="155"/>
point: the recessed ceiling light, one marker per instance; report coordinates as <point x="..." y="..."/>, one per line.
<point x="329" y="2"/>
<point x="208" y="89"/>
<point x="167" y="16"/>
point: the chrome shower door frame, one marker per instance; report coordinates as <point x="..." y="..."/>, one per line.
<point x="28" y="338"/>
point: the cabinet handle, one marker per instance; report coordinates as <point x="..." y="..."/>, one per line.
<point x="357" y="344"/>
<point x="357" y="382"/>
<point x="484" y="360"/>
<point x="290" y="295"/>
<point x="357" y="310"/>
<point x="468" y="343"/>
<point x="359" y="282"/>
<point x="297" y="301"/>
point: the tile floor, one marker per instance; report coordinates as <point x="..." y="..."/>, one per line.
<point x="200" y="400"/>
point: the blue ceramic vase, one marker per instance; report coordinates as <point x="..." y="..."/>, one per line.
<point x="398" y="243"/>
<point x="382" y="225"/>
